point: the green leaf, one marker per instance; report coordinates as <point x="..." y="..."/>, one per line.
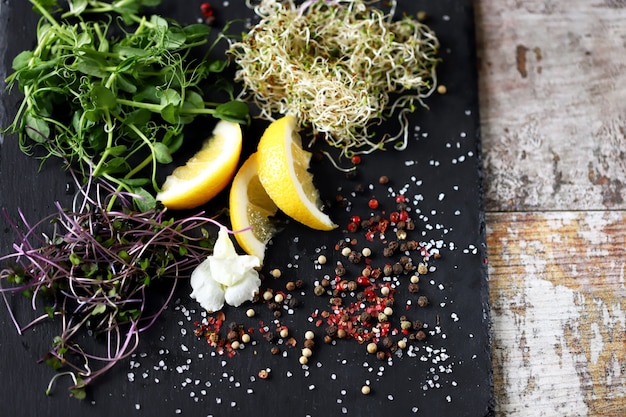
<point x="138" y="117"/>
<point x="233" y="111"/>
<point x="217" y="65"/>
<point x="162" y="153"/>
<point x="136" y="182"/>
<point x="170" y="96"/>
<point x="37" y="128"/>
<point x="146" y="201"/>
<point x="173" y="139"/>
<point x="125" y="83"/>
<point x="49" y="311"/>
<point x="118" y="150"/>
<point x="103" y="98"/>
<point x="194" y="100"/>
<point x="89" y="66"/>
<point x="197" y="32"/>
<point x="99" y="309"/>
<point x="22" y="60"/>
<point x="77" y="6"/>
<point x="78" y="393"/>
<point x="171" y="114"/>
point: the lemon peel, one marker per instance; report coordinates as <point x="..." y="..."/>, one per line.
<point x="251" y="209"/>
<point x="283" y="172"/>
<point x="206" y="173"/>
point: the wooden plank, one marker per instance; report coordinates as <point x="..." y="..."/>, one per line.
<point x="558" y="312"/>
<point x="552" y="87"/>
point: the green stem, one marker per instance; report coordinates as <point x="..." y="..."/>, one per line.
<point x="109" y="129"/>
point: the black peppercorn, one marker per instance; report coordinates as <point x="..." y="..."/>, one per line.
<point x="422" y="301"/>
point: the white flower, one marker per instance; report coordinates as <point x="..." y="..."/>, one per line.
<point x="225" y="276"/>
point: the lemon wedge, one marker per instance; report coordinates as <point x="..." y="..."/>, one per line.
<point x="206" y="173"/>
<point x="283" y="172"/>
<point x="251" y="206"/>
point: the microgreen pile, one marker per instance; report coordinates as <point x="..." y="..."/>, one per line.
<point x="115" y="91"/>
<point x="94" y="275"/>
<point x="336" y="65"/>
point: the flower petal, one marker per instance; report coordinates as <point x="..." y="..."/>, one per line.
<point x="244" y="290"/>
<point x="223" y="247"/>
<point x="208" y="292"/>
<point x="229" y="271"/>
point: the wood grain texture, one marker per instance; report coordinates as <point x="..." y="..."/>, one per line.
<point x="558" y="312"/>
<point x="552" y="79"/>
<point x="553" y="91"/>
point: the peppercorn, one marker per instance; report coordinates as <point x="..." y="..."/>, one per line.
<point x="332" y="330"/>
<point x="420" y="335"/>
<point x="422" y="269"/>
<point x="309" y="343"/>
<point x="372" y="347"/>
<point x="278" y="314"/>
<point x="387" y="270"/>
<point x="198" y="332"/>
<point x="232" y="335"/>
<point x="401" y="234"/>
<point x="293" y="303"/>
<point x="359" y="188"/>
<point x="418" y="325"/>
<point x="412" y="245"/>
<point x="279" y="298"/>
<point x="290" y="286"/>
<point x="405" y="325"/>
<point x="263" y="374"/>
<point x="408" y="267"/>
<point x="273" y="306"/>
<point x="388" y="252"/>
<point x="341" y="333"/>
<point x="422" y="301"/>
<point x="382" y="317"/>
<point x="319" y="290"/>
<point x="275" y="350"/>
<point x="414" y="288"/>
<point x="397" y="268"/>
<point x="381" y="356"/>
<point x="365" y="317"/>
<point x="365" y="390"/>
<point x="270" y="337"/>
<point x="352" y="285"/>
<point x="246" y="338"/>
<point x="275" y="273"/>
<point x="336" y="301"/>
<point x="328" y="339"/>
<point x="325" y="282"/>
<point x="340" y="271"/>
<point x="383" y="179"/>
<point x="354" y="257"/>
<point x="387" y="342"/>
<point x="375" y="273"/>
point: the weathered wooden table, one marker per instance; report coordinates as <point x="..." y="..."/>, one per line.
<point x="553" y="113"/>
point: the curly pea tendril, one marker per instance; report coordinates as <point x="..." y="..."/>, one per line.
<point x="336" y="65"/>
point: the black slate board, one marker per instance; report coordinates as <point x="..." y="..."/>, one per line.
<point x="174" y="373"/>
